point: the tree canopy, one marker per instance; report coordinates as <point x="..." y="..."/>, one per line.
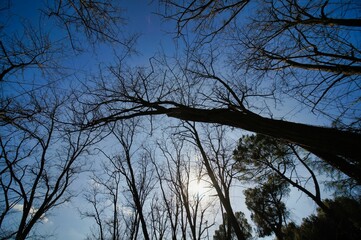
<point x="325" y="226"/>
<point x="301" y="57"/>
<point x="224" y="233"/>
<point x="70" y="87"/>
<point x="269" y="212"/>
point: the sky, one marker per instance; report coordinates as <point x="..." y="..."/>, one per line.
<point x="65" y="221"/>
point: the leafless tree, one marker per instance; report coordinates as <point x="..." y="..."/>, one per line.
<point x="126" y="183"/>
<point x="40" y="158"/>
<point x="34" y="55"/>
<point x="139" y="178"/>
<point x="308" y="50"/>
<point x="159" y="219"/>
<point x="104" y="197"/>
<point x="311" y="51"/>
<point x="99" y="20"/>
<point x="187" y="209"/>
<point x="30" y="46"/>
<point x="33" y="129"/>
<point x="218" y="162"/>
<point x="169" y="202"/>
<point x="208" y="18"/>
<point x="193" y="91"/>
<point x="18" y="53"/>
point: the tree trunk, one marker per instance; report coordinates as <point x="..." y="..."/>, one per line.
<point x="225" y="200"/>
<point x="338" y="148"/>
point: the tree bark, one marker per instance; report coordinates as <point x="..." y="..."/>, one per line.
<point x="338" y="148"/>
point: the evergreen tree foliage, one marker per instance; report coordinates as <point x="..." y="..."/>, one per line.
<point x="269" y="212"/>
<point x="343" y="222"/>
<point x="225" y="233"/>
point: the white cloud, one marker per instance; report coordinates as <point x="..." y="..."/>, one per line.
<point x="19" y="207"/>
<point x="127" y="211"/>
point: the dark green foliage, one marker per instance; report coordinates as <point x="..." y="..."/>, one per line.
<point x="337" y="182"/>
<point x="256" y="153"/>
<point x="342" y="223"/>
<point x="268" y="210"/>
<point x="223" y="232"/>
<point x="258" y="156"/>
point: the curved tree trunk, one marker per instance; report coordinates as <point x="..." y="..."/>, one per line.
<point x="338" y="148"/>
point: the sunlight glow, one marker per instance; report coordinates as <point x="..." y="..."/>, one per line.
<point x="197" y="187"/>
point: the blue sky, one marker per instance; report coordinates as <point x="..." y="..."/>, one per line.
<point x="65" y="221"/>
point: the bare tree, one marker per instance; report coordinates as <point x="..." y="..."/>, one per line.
<point x="95" y="198"/>
<point x="100" y="21"/>
<point x="312" y="48"/>
<point x="218" y="163"/>
<point x="30" y="50"/>
<point x="139" y="180"/>
<point x="34" y="46"/>
<point x="193" y="91"/>
<point x="207" y="18"/>
<point x="35" y="55"/>
<point x="170" y="202"/>
<point x="186" y="208"/>
<point x="104" y="197"/>
<point x="126" y="184"/>
<point x="309" y="50"/>
<point x="159" y="219"/>
<point x="40" y="158"/>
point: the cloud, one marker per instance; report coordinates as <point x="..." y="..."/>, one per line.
<point x="19" y="207"/>
<point x="127" y="211"/>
